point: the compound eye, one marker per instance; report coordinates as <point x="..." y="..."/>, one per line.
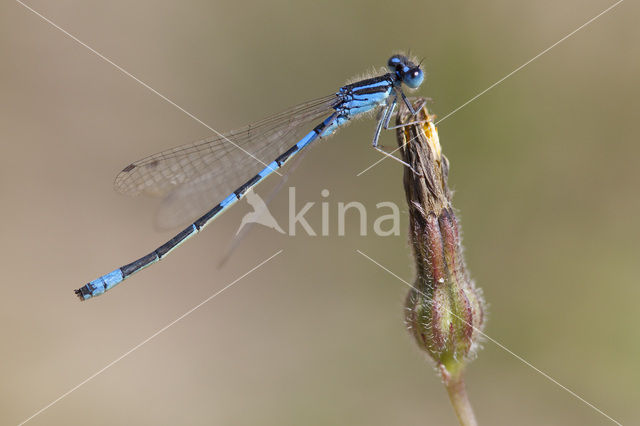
<point x="394" y="62"/>
<point x="413" y="78"/>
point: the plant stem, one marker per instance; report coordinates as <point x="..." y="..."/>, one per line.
<point x="459" y="399"/>
<point x="444" y="310"/>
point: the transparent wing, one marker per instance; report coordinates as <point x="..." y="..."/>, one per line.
<point x="195" y="176"/>
<point x="250" y="149"/>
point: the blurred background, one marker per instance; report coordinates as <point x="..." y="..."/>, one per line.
<point x="544" y="168"/>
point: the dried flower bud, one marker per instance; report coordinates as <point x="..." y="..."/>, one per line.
<point x="444" y="310"/>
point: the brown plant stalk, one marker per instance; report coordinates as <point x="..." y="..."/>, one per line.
<point x="444" y="310"/>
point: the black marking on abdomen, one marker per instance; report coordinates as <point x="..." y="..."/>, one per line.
<point x="172" y="243"/>
<point x="207" y="217"/>
<point x="246" y="186"/>
<point x="319" y="128"/>
<point x="83" y="291"/>
<point x="283" y="157"/>
<point x="135" y="266"/>
<point x="129" y="168"/>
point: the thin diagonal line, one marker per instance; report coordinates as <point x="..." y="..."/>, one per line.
<point x="505" y="77"/>
<point x="500" y="345"/>
<point x="128" y="74"/>
<point x="529" y="61"/>
<point x="190" y="311"/>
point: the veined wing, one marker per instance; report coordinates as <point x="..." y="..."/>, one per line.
<point x="195" y="176"/>
<point x="221" y="164"/>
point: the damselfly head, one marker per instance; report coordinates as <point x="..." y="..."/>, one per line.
<point x="406" y="71"/>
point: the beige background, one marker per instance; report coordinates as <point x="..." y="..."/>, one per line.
<point x="545" y="168"/>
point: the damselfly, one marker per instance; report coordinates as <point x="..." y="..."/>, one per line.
<point x="220" y="170"/>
